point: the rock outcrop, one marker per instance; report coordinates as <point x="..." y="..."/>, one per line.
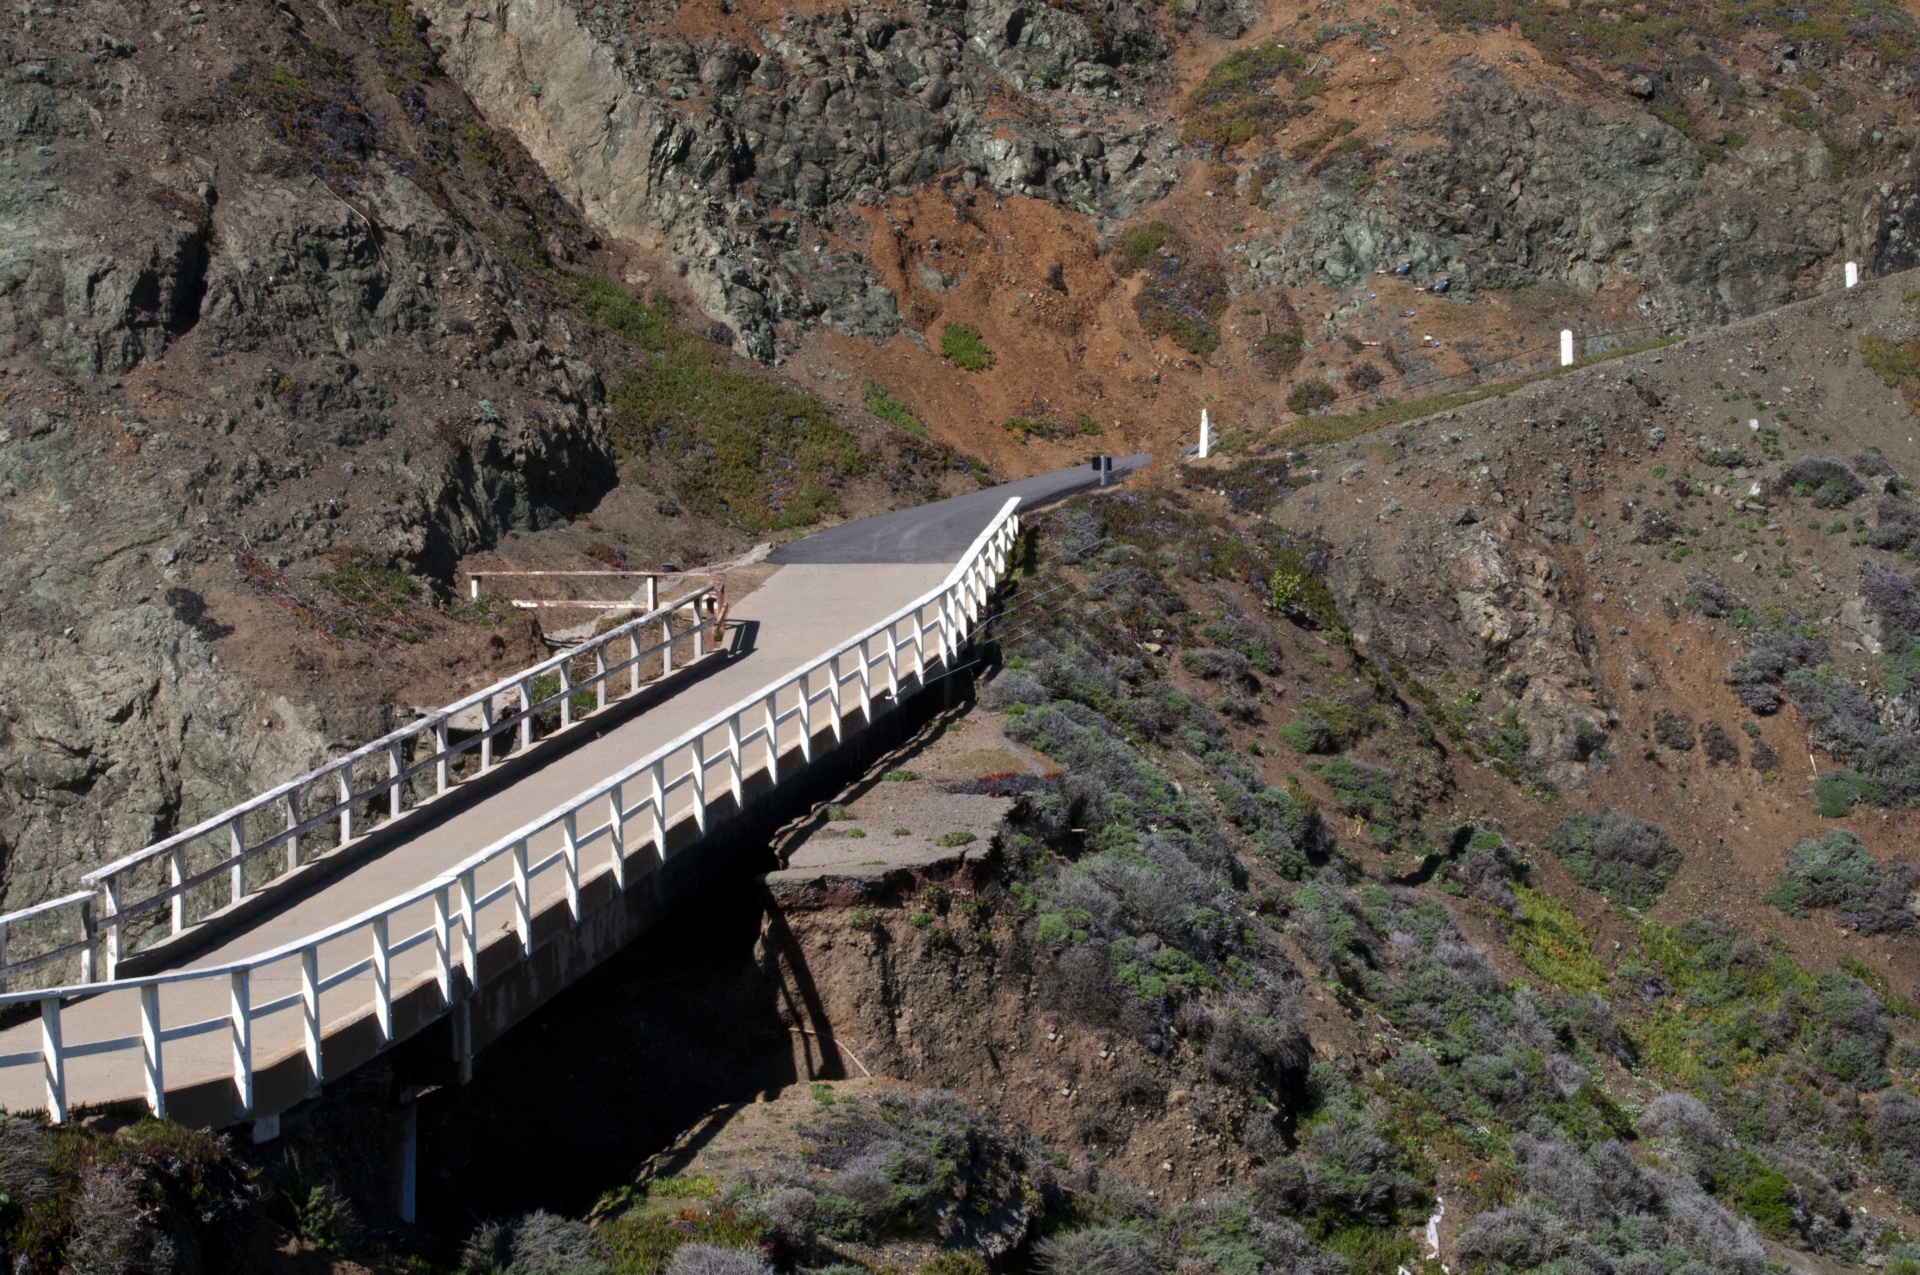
<point x="731" y="158"/>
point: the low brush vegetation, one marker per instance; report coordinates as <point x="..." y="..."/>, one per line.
<point x="1184" y="291"/>
<point x="888" y="408"/>
<point x="1787" y="656"/>
<point x="736" y="446"/>
<point x="1499" y="1088"/>
<point x="1195" y="895"/>
<point x="1249" y="94"/>
<point x="965" y="348"/>
<point x="1629" y="860"/>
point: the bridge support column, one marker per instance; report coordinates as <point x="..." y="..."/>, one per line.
<point x="462" y="1025"/>
<point x="406" y="1161"/>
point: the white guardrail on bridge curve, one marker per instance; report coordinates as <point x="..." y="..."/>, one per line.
<point x="440" y="923"/>
<point x="221" y="860"/>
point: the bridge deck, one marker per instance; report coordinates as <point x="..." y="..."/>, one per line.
<point x="823" y="592"/>
<point x="801" y="610"/>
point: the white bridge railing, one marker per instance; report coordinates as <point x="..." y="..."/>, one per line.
<point x="433" y="933"/>
<point x="649" y="583"/>
<point x="219" y="861"/>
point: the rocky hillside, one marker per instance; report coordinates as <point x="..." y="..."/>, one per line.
<point x="1407" y="856"/>
<point x="1411" y="862"/>
<point x="840" y="185"/>
<point x="287" y="331"/>
<point x="306" y="304"/>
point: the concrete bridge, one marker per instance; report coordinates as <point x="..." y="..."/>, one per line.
<point x="461" y="871"/>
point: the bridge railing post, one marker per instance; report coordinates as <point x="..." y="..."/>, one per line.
<point x="469" y="941"/>
<point x="310" y="1013"/>
<point x="600" y="674"/>
<point x="920" y="647"/>
<point x="110" y="897"/>
<point x="733" y="760"/>
<point x="396" y="795"/>
<point x="565" y="670"/>
<point x="866" y="683"/>
<point x="442" y="948"/>
<point x="237" y="853"/>
<point x="570" y="864"/>
<point x="833" y="672"/>
<point x="240" y="1033"/>
<point x="345" y="777"/>
<point x="86" y="941"/>
<point x="773" y="736"/>
<point x="382" y="980"/>
<point x="522" y="904"/>
<point x="893" y="666"/>
<point x="633" y="658"/>
<point x="442" y="776"/>
<point x="176" y="874"/>
<point x="617" y="837"/>
<point x="526" y="712"/>
<point x="150" y="1050"/>
<point x="659" y="800"/>
<point x="700" y="784"/>
<point x="293" y="821"/>
<point x="53" y="1060"/>
<point x="486" y="734"/>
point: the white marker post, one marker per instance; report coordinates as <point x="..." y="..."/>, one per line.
<point x="1206" y="435"/>
<point x="1853" y="274"/>
<point x="1566" y="347"/>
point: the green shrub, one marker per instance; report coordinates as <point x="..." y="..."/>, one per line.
<point x="1627" y="859"/>
<point x="1836" y="871"/>
<point x="643" y="1242"/>
<point x="1135" y="246"/>
<point x="887" y="408"/>
<point x="699" y="1186"/>
<point x="1279" y="352"/>
<point x="1307" y="733"/>
<point x="1674" y="730"/>
<point x="540" y="1242"/>
<point x="964" y="346"/>
<point x="1184" y="293"/>
<point x="1236" y="101"/>
<point x="1837" y="791"/>
<point x="951" y="1263"/>
<point x="738" y="446"/>
<point x="1549" y="940"/>
<point x="373" y="602"/>
<point x="1302" y="595"/>
<point x="1310" y="396"/>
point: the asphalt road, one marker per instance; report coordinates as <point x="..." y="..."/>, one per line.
<point x="942" y="531"/>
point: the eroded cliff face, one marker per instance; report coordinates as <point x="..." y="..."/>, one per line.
<point x="738" y="152"/>
<point x="741" y="141"/>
